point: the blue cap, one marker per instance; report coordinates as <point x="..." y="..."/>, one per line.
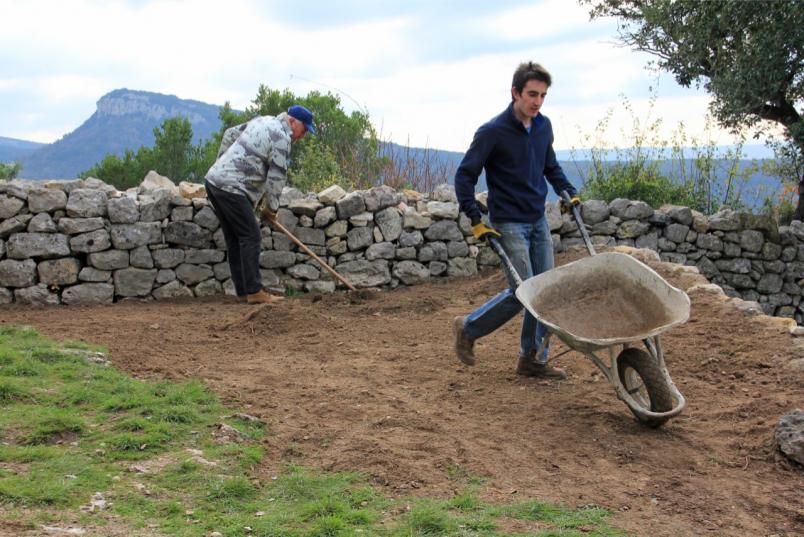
<point x="304" y="115"/>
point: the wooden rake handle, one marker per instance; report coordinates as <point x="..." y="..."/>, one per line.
<point x="300" y="244"/>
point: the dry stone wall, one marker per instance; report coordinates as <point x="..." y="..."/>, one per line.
<point x="84" y="242"/>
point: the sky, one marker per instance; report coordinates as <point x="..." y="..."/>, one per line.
<point x="428" y="72"/>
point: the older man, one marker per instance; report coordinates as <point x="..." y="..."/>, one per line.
<point x="248" y="175"/>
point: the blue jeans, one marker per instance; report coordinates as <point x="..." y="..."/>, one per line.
<point x="530" y="248"/>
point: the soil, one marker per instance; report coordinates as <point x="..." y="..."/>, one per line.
<point x="368" y="381"/>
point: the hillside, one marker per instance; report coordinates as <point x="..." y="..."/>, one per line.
<point x="124" y="119"/>
<point x="12" y="149"/>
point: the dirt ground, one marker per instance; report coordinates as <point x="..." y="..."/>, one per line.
<point x="369" y="382"/>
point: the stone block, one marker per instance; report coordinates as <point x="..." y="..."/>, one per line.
<point x="42" y="223"/>
<point x="94" y="241"/>
<point x="86" y="203"/>
<point x="411" y="272"/>
<point x="134" y="281"/>
<point x="109" y="259"/>
<point x="45" y="245"/>
<point x="14" y="273"/>
<point x="59" y="271"/>
<point x="75" y="226"/>
<point x="88" y="294"/>
<point x="130" y="236"/>
<point x="46" y="200"/>
<point x="123" y="210"/>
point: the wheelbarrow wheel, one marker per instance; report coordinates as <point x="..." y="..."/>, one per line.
<point x="642" y="378"/>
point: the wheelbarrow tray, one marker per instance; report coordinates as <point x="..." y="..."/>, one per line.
<point x="604" y="300"/>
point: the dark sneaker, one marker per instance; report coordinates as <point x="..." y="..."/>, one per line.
<point x="464" y="345"/>
<point x="528" y="368"/>
<point x="262" y="297"/>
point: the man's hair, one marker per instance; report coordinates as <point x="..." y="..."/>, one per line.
<point x="530" y="71"/>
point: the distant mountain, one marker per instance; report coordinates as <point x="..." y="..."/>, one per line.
<point x="124" y="119"/>
<point x="12" y="149"/>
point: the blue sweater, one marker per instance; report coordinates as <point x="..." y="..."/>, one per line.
<point x="516" y="163"/>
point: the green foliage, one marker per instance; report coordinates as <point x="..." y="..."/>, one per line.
<point x="320" y="170"/>
<point x="9" y="170"/>
<point x="55" y="424"/>
<point x="748" y="55"/>
<point x="345" y="144"/>
<point x="11" y="390"/>
<point x="682" y="171"/>
<point x="124" y="172"/>
<point x="428" y="518"/>
<point x="173" y="148"/>
<point x="345" y="150"/>
<point x="173" y="156"/>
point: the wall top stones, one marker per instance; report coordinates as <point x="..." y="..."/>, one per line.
<point x="82" y="237"/>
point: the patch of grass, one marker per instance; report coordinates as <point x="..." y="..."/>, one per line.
<point x="465" y="501"/>
<point x="54" y="425"/>
<point x="60" y="480"/>
<point x="6" y="357"/>
<point x="10" y="390"/>
<point x="137" y="445"/>
<point x="562" y="517"/>
<point x="26" y="367"/>
<point x="24" y="454"/>
<point x="462" y="475"/>
<point x="34" y="489"/>
<point x="71" y="428"/>
<point x="233" y="489"/>
<point x="177" y="414"/>
<point x="427" y="517"/>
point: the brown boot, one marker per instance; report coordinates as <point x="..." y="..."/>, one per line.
<point x="527" y="367"/>
<point x="262" y="297"/>
<point x="464" y="345"/>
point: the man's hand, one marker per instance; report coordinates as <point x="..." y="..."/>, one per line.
<point x="267" y="214"/>
<point x="481" y="231"/>
<point x="565" y="207"/>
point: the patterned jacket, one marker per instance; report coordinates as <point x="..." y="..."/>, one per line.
<point x="253" y="159"/>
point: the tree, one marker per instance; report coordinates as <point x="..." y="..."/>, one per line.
<point x="9" y="170"/>
<point x="173" y="156"/>
<point x="345" y="150"/>
<point x="122" y="172"/>
<point x="173" y="148"/>
<point x="346" y="146"/>
<point x="748" y="55"/>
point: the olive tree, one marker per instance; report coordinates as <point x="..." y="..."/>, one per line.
<point x="748" y="55"/>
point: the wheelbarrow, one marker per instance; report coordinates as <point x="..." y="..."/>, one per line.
<point x="607" y="306"/>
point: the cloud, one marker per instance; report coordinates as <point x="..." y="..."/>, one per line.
<point x="537" y="20"/>
<point x="428" y="72"/>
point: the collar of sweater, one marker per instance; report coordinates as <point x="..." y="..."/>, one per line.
<point x="511" y="116"/>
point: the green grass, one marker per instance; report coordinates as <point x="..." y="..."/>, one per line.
<point x="70" y="428"/>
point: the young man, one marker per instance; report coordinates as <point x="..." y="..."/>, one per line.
<point x="516" y="150"/>
<point x="248" y="175"/>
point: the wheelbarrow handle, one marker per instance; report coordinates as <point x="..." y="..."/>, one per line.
<point x="576" y="214"/>
<point x="497" y="247"/>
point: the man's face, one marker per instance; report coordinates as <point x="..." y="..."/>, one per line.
<point x="529" y="102"/>
<point x="297" y="129"/>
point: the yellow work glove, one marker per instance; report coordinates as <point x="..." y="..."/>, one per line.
<point x="481" y="231"/>
<point x="565" y="207"/>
